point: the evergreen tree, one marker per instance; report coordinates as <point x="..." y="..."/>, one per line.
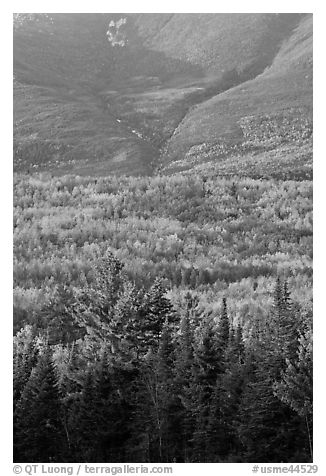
<point x="295" y="386"/>
<point x="262" y="417"/>
<point x="224" y="406"/>
<point x="107" y="279"/>
<point x="123" y="325"/>
<point x="283" y="322"/>
<point x="24" y="360"/>
<point x="183" y="384"/>
<point x="166" y="393"/>
<point x="38" y="430"/>
<point x="222" y="335"/>
<point x="57" y="317"/>
<point x="155" y="310"/>
<point x="206" y="356"/>
<point x="165" y="354"/>
<point x="157" y="399"/>
<point x="207" y="366"/>
<point x="95" y="305"/>
<point x="84" y="421"/>
<point x="238" y="343"/>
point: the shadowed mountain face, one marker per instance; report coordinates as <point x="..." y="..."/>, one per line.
<point x="141" y="93"/>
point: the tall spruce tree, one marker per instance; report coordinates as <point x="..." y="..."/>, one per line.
<point x="24" y="359"/>
<point x="295" y="386"/>
<point x="183" y="385"/>
<point x="84" y="420"/>
<point x="155" y="310"/>
<point x="166" y="393"/>
<point x="95" y="304"/>
<point x="222" y="436"/>
<point x="38" y="429"/>
<point x="283" y="325"/>
<point x="222" y="336"/>
<point x="156" y="391"/>
<point x="207" y="366"/>
<point x="57" y="317"/>
<point x="262" y="417"/>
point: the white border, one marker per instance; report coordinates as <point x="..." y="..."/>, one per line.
<point x="319" y="197"/>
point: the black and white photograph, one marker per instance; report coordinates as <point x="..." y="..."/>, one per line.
<point x="162" y="240"/>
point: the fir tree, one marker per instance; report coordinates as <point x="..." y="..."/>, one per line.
<point x="224" y="406"/>
<point x="207" y="366"/>
<point x="84" y="420"/>
<point x="222" y="335"/>
<point x="57" y="317"/>
<point x="95" y="305"/>
<point x="123" y="324"/>
<point x="295" y="386"/>
<point x="38" y="426"/>
<point x="282" y="325"/>
<point x="165" y="354"/>
<point x="185" y="353"/>
<point x="156" y="309"/>
<point x="183" y="384"/>
<point x="166" y="392"/>
<point x="262" y="417"/>
<point x="25" y="358"/>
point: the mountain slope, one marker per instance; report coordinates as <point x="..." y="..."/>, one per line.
<point x="134" y="93"/>
<point x="274" y="108"/>
<point x="217" y="42"/>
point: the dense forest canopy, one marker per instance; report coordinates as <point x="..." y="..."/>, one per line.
<point x="162" y="319"/>
<point x="215" y="235"/>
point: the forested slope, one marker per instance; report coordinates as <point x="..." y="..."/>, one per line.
<point x="218" y="236"/>
<point x="134" y="93"/>
<point x="265" y="113"/>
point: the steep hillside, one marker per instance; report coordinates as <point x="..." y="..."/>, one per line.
<point x="272" y="111"/>
<point x="62" y="66"/>
<point x="135" y="93"/>
<point x="218" y="42"/>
